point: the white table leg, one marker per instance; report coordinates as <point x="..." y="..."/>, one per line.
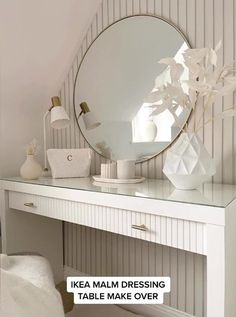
<point x="215" y="271"/>
<point x="230" y="260"/>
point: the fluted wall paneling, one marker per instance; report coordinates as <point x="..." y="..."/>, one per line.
<point x="96" y="252"/>
<point x="204" y="22"/>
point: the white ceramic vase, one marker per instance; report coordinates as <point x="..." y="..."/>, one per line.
<point x="149" y="131"/>
<point x="188" y="164"/>
<point x="31" y="169"/>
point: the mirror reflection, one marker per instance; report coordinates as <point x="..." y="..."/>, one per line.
<point x="115" y="79"/>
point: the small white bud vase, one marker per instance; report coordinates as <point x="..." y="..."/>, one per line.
<point x="188" y="164"/>
<point x="149" y="131"/>
<point x="31" y="169"/>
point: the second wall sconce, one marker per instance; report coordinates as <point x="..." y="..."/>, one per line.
<point x="89" y="119"/>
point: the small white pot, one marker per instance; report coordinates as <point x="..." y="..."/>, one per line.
<point x="188" y="164"/>
<point x="108" y="170"/>
<point x="31" y="169"/>
<point x="125" y="169"/>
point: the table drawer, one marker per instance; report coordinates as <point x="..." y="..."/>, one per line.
<point x="177" y="233"/>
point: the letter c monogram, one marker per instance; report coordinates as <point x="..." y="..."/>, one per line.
<point x="69" y="158"/>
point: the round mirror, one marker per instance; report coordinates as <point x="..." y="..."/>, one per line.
<point x="117" y="74"/>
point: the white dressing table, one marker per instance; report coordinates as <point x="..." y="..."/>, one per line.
<point x="203" y="222"/>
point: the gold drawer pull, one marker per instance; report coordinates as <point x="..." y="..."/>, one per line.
<point x="29" y="205"/>
<point x="140" y="227"/>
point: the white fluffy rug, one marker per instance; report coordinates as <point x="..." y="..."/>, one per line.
<point x="27" y="288"/>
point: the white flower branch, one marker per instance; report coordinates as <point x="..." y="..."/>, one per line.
<point x="207" y="81"/>
<point x="32" y="148"/>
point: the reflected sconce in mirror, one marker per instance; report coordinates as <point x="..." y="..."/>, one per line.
<point x="59" y="119"/>
<point x="89" y="119"/>
<point x="120" y="102"/>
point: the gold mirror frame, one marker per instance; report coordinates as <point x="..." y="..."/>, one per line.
<point x="84" y="56"/>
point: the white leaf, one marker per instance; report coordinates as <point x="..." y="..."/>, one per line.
<point x="194" y="68"/>
<point x="231" y="80"/>
<point x="213" y="57"/>
<point x="226" y="90"/>
<point x="196" y="55"/>
<point x="176" y="71"/>
<point x="227" y="113"/>
<point x="199" y="86"/>
<point x="176" y="118"/>
<point x="154" y="96"/>
<point x="214" y="76"/>
<point x="175" y="107"/>
<point x="159" y="109"/>
<point x="224" y="74"/>
<point x="167" y="61"/>
<point x="228" y="70"/>
<point x="218" y="46"/>
<point x="192" y="97"/>
<point x="174" y="90"/>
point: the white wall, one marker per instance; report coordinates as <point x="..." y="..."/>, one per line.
<point x="38" y="40"/>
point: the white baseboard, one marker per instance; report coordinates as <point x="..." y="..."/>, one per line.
<point x="145" y="310"/>
<point x="155" y="311"/>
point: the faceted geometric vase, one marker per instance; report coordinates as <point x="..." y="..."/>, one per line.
<point x="188" y="164"/>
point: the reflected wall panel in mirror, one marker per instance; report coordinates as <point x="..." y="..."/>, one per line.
<point x="115" y="78"/>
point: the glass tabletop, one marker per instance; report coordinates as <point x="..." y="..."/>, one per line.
<point x="216" y="195"/>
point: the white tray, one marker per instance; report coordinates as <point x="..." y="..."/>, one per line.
<point x="135" y="180"/>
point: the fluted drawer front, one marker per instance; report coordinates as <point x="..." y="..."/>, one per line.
<point x="177" y="233"/>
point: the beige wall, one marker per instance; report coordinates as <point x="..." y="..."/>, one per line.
<point x="38" y="40"/>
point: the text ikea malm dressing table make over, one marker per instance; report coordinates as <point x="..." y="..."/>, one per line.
<point x="203" y="222"/>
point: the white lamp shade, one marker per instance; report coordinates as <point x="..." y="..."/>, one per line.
<point x="90" y="121"/>
<point x="59" y="118"/>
